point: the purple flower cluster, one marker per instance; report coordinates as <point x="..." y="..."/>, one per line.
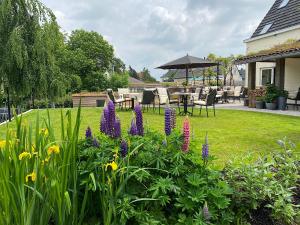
<point x="173" y="118"/>
<point x="109" y="125"/>
<point x="205" y="212"/>
<point x="139" y="120"/>
<point x="186" y="135"/>
<point x="133" y="129"/>
<point x="88" y="133"/>
<point x="170" y="120"/>
<point x="96" y="143"/>
<point x="124" y="148"/>
<point x="205" y="149"/>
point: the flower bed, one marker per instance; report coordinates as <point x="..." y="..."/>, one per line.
<point x="136" y="177"/>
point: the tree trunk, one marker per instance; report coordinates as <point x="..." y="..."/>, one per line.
<point x="8" y="104"/>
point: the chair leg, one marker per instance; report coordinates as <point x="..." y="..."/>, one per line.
<point x="214" y="110"/>
<point x="200" y="110"/>
<point x="206" y="112"/>
<point x="192" y="110"/>
<point x="159" y="109"/>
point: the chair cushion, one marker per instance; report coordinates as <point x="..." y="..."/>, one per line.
<point x="119" y="100"/>
<point x="200" y="102"/>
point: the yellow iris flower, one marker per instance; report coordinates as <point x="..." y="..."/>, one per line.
<point x="113" y="165"/>
<point x="53" y="149"/>
<point x="31" y="176"/>
<point x="2" y="144"/>
<point x="24" y="155"/>
<point x="44" y="132"/>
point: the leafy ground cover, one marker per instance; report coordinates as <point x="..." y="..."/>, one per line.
<point x="232" y="133"/>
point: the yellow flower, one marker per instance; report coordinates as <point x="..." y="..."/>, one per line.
<point x="2" y="144"/>
<point x="24" y="155"/>
<point x="113" y="165"/>
<point x="44" y="132"/>
<point x="53" y="149"/>
<point x="31" y="176"/>
<point x="45" y="161"/>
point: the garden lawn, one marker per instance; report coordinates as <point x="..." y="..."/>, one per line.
<point x="231" y="133"/>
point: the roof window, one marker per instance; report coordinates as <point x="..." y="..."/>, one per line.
<point x="266" y="28"/>
<point x="283" y="3"/>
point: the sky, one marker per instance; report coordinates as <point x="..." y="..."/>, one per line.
<point x="149" y="33"/>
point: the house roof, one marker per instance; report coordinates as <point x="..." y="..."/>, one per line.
<point x="279" y="18"/>
<point x="287" y="50"/>
<point x="133" y="80"/>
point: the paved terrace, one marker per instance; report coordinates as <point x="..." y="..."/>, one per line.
<point x="240" y="106"/>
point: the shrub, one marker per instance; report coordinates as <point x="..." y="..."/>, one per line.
<point x="269" y="183"/>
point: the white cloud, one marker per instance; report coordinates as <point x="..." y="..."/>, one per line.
<point x="150" y="33"/>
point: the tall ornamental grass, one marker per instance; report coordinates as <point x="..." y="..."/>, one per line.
<point x="38" y="174"/>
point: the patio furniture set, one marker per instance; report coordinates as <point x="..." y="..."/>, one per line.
<point x="182" y="98"/>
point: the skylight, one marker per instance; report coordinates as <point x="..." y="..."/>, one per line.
<point x="266" y="28"/>
<point x="283" y="3"/>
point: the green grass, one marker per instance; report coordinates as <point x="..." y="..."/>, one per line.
<point x="231" y="133"/>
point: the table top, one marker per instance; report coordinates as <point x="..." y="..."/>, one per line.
<point x="182" y="93"/>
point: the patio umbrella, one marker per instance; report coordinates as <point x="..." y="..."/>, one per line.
<point x="187" y="62"/>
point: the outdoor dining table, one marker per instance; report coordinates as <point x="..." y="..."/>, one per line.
<point x="185" y="96"/>
<point x="133" y="97"/>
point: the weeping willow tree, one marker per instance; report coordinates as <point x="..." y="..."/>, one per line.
<point x="29" y="39"/>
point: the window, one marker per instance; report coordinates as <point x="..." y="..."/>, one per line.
<point x="267" y="76"/>
<point x="266" y="28"/>
<point x="283" y="3"/>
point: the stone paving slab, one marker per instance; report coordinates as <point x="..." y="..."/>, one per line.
<point x="240" y="106"/>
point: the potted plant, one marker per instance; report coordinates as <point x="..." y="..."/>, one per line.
<point x="260" y="104"/>
<point x="271" y="97"/>
<point x="282" y="99"/>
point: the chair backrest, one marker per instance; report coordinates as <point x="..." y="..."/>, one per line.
<point x="199" y="92"/>
<point x="237" y="91"/>
<point x="298" y="95"/>
<point x="111" y="95"/>
<point x="162" y="95"/>
<point x="148" y="97"/>
<point x="123" y="91"/>
<point x="211" y="97"/>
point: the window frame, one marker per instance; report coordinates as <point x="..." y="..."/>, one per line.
<point x="272" y="74"/>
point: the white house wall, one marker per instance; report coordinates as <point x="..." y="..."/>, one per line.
<point x="292" y="75"/>
<point x="259" y="67"/>
<point x="271" y="41"/>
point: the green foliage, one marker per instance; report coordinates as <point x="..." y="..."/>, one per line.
<point x="155" y="183"/>
<point x="268" y="183"/>
<point x="118" y="81"/>
<point x="38" y="177"/>
<point x="272" y="93"/>
<point x="146" y="76"/>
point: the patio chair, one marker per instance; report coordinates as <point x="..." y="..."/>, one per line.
<point x="197" y="93"/>
<point x="148" y="98"/>
<point x="118" y="102"/>
<point x="295" y="98"/>
<point x="236" y="93"/>
<point x="209" y="102"/>
<point x="123" y="92"/>
<point x="163" y="98"/>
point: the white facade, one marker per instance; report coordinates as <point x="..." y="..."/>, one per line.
<point x="292" y="65"/>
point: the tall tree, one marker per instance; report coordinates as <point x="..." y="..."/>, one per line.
<point x="23" y="51"/>
<point x="89" y="56"/>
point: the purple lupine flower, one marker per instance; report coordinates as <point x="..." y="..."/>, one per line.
<point x="103" y="124"/>
<point x="106" y="119"/>
<point x="173" y="118"/>
<point x="117" y="129"/>
<point x="205" y="149"/>
<point x="88" y="133"/>
<point x="112" y="118"/>
<point x="133" y="129"/>
<point x="96" y="143"/>
<point x="124" y="148"/>
<point x="168" y="125"/>
<point x="186" y="135"/>
<point x="205" y="211"/>
<point x="139" y="120"/>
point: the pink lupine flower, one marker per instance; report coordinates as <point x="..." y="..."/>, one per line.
<point x="186" y="135"/>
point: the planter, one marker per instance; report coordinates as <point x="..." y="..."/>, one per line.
<point x="271" y="106"/>
<point x="260" y="104"/>
<point x="282" y="103"/>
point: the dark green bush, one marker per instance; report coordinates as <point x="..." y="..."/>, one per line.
<point x="268" y="184"/>
<point x="156" y="183"/>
